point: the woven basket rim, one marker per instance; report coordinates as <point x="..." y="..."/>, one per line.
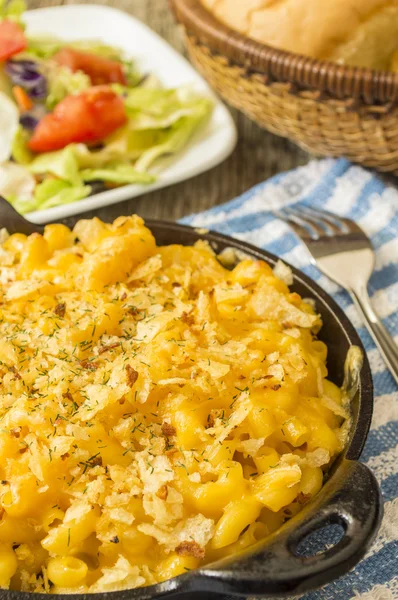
<point x="339" y="81"/>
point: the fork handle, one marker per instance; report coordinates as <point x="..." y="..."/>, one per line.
<point x="383" y="340"/>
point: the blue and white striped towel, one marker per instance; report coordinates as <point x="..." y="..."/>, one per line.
<point x="354" y="192"/>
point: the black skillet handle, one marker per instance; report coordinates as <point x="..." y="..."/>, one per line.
<point x="351" y="499"/>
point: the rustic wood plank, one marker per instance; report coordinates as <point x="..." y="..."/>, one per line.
<point x="258" y="154"/>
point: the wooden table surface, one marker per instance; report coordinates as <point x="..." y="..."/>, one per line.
<point x="258" y="154"/>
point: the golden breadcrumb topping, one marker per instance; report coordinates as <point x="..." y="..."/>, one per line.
<point x="157" y="410"/>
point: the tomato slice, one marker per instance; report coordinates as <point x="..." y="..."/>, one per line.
<point x="12" y="39"/>
<point x="100" y="70"/>
<point x="87" y="117"/>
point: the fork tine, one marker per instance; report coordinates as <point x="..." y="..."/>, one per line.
<point x="301" y="231"/>
<point x="315" y="225"/>
<point x="337" y="224"/>
<point x="324" y="219"/>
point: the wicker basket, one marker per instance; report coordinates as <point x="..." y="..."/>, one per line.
<point x="326" y="108"/>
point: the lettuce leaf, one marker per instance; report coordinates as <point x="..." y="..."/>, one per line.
<point x="19" y="149"/>
<point x="22" y="205"/>
<point x="157" y="108"/>
<point x="51" y="192"/>
<point x="121" y="174"/>
<point x="118" y="147"/>
<point x="65" y="195"/>
<point x="45" y="46"/>
<point x="12" y="10"/>
<point x="62" y="164"/>
<point x="63" y="82"/>
<point x="49" y="187"/>
<point x="176" y="138"/>
<point x="97" y="47"/>
<point x="133" y="76"/>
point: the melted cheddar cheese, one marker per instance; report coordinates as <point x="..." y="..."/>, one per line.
<point x="157" y="409"/>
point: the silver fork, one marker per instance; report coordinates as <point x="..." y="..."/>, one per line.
<point x="343" y="252"/>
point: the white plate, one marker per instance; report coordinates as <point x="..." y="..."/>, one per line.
<point x="152" y="54"/>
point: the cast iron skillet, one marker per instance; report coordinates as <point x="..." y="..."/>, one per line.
<point x="350" y="498"/>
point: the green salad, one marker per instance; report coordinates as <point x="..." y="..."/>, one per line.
<point x="78" y="118"/>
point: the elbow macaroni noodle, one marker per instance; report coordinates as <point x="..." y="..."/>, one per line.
<point x="157" y="410"/>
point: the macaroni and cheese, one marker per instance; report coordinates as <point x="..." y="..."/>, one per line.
<point x="157" y="410"/>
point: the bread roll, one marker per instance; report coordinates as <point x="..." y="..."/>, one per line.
<point x="356" y="32"/>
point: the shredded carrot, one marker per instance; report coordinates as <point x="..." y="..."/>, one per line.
<point x="22" y="98"/>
